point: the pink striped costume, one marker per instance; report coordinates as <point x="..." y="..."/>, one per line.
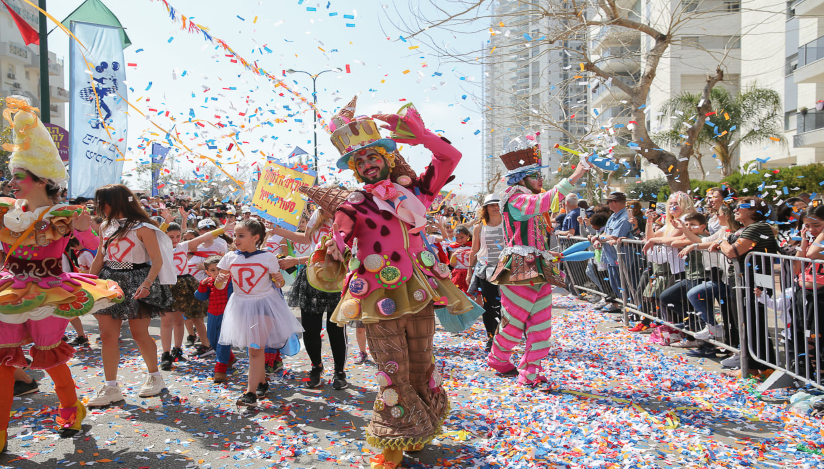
<point x="526" y="297"/>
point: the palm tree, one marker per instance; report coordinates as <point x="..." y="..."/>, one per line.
<point x="752" y="117"/>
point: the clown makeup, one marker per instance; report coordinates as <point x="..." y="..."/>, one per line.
<point x="22" y="183"/>
<point x="370" y="166"/>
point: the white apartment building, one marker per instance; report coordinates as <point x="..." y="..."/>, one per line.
<point x="803" y="80"/>
<point x="20" y="64"/>
<point x="520" y="83"/>
<point x="707" y="35"/>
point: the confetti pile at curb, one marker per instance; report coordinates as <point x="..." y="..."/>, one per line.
<point x="613" y="401"/>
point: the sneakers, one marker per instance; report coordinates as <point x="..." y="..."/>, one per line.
<point x="78" y="341"/>
<point x="340" y="381"/>
<point x="166" y="361"/>
<point x="219" y="377"/>
<point x="272" y="369"/>
<point x="489" y="343"/>
<point x="314" y="377"/>
<point x="262" y="390"/>
<point x="203" y="351"/>
<point x="177" y="354"/>
<point x="686" y="343"/>
<point x="22" y="388"/>
<point x="599" y="304"/>
<point x="190" y="340"/>
<point x="362" y="358"/>
<point x="732" y="362"/>
<point x="152" y="387"/>
<point x="703" y="352"/>
<point x="106" y="396"/>
<point x="710" y="332"/>
<point x="248" y="399"/>
<point x="639" y="327"/>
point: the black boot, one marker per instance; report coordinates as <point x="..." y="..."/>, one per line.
<point x="177" y="354"/>
<point x="166" y="361"/>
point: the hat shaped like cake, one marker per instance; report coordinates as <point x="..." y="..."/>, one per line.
<point x="350" y="134"/>
<point x="33" y="148"/>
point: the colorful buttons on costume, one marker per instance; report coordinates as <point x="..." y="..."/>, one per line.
<point x="355" y="198"/>
<point x="383" y="379"/>
<point x="354" y="263"/>
<point x="390" y="397"/>
<point x="390" y="275"/>
<point x="420" y="295"/>
<point x="529" y="258"/>
<point x="358" y="287"/>
<point x="404" y="180"/>
<point x="373" y="262"/>
<point x="428" y="259"/>
<point x="441" y="270"/>
<point x="350" y="308"/>
<point x="391" y="367"/>
<point x="396" y="412"/>
<point x="432" y="283"/>
<point x="379" y="405"/>
<point x="386" y="306"/>
<point x="435" y="380"/>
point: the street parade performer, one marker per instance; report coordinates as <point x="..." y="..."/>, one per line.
<point x="394" y="282"/>
<point x="38" y="299"/>
<point x="525" y="265"/>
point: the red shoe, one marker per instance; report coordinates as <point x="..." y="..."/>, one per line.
<point x="638" y="327"/>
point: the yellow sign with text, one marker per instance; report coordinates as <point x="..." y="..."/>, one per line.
<point x="277" y="198"/>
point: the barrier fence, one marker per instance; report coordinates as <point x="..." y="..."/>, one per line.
<point x="704" y="298"/>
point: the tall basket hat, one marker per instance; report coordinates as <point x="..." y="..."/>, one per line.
<point x="521" y="162"/>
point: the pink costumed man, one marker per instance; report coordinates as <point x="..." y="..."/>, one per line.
<point x="393" y="282"/>
<point x="526" y="263"/>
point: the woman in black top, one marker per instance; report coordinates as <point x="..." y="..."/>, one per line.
<point x="757" y="236"/>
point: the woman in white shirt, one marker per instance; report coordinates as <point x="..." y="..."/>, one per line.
<point x="138" y="256"/>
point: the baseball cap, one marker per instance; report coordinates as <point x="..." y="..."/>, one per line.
<point x="205" y="223"/>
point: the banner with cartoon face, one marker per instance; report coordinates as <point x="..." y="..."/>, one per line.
<point x="99" y="119"/>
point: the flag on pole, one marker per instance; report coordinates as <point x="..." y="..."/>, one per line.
<point x="159" y="153"/>
<point x="30" y="35"/>
<point x="298" y="151"/>
<point x="99" y="119"/>
<point x="94" y="11"/>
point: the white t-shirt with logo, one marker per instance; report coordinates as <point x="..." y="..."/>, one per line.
<point x="217" y="248"/>
<point x="181" y="257"/>
<point x="250" y="276"/>
<point x="273" y="244"/>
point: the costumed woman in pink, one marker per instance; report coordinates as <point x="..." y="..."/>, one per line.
<point x="38" y="299"/>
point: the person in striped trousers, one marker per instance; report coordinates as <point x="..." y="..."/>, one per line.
<point x="526" y="263"/>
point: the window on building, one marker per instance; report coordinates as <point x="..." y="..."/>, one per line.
<point x="28" y="75"/>
<point x="732" y="6"/>
<point x="690" y="41"/>
<point x="690" y="6"/>
<point x="790" y="9"/>
<point x="734" y="42"/>
<point x="790" y="64"/>
<point x="790" y="120"/>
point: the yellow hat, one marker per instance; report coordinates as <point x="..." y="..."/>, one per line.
<point x="33" y="148"/>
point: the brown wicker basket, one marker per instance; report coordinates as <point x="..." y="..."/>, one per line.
<point x="519" y="159"/>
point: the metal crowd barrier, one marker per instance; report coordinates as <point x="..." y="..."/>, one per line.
<point x="584" y="276"/>
<point x="784" y="304"/>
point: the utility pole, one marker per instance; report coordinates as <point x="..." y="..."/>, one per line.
<point x="45" y="102"/>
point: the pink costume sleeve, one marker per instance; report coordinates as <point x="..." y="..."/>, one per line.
<point x="530" y="205"/>
<point x="87" y="239"/>
<point x="445" y="159"/>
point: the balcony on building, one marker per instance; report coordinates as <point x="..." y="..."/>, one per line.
<point x="604" y="94"/>
<point x="809" y="8"/>
<point x="810" y="66"/>
<point x="620" y="59"/>
<point x="810" y="130"/>
<point x="16" y="53"/>
<point x="58" y="94"/>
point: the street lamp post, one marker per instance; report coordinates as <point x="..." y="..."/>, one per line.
<point x="315" y="110"/>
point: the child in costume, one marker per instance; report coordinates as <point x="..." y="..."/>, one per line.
<point x="256" y="315"/>
<point x="217" y="298"/>
<point x="37" y="298"/>
<point x="394" y="282"/>
<point x="315" y="302"/>
<point x="459" y="260"/>
<point x="525" y="263"/>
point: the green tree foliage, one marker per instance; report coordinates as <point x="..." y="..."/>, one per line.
<point x="752" y="117"/>
<point x="647" y="191"/>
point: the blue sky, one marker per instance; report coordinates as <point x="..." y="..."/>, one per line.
<point x="300" y="39"/>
